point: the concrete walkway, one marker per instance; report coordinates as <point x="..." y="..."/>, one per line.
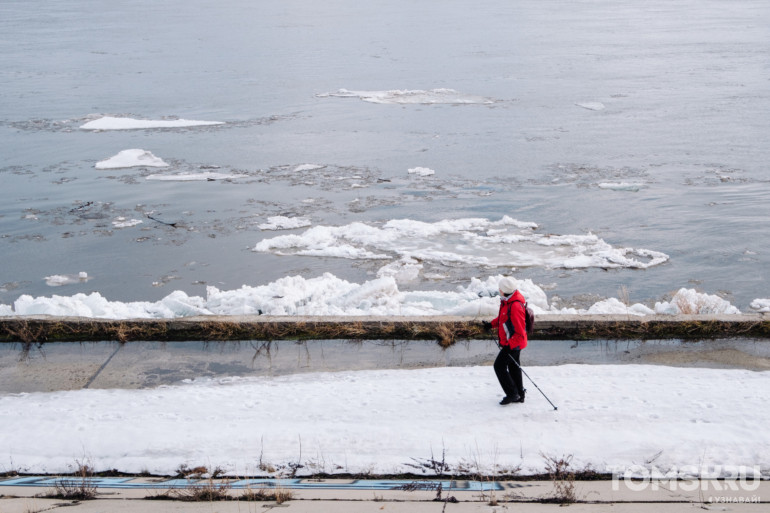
<point x="340" y="496"/>
<point x="68" y="366"/>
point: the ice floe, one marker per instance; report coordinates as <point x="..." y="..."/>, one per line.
<point x="621" y="186"/>
<point x="122" y="222"/>
<point x="284" y="223"/>
<point x="118" y="123"/>
<point x="131" y="158"/>
<point x="418" y="96"/>
<point x="591" y="105"/>
<point x="207" y="176"/>
<point x="421" y="171"/>
<point x="405" y="270"/>
<point x="58" y="280"/>
<point x="308" y="167"/>
<point x="461" y="242"/>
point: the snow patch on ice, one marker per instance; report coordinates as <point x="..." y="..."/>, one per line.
<point x="116" y="123"/>
<point x="131" y="158"/>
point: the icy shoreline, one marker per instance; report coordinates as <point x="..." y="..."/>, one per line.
<point x="328" y="295"/>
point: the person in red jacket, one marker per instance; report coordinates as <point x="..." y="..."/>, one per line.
<point x="512" y="338"/>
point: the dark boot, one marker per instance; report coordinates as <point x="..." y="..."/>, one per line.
<point x="511" y="399"/>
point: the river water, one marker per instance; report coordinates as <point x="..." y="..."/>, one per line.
<point x="642" y="123"/>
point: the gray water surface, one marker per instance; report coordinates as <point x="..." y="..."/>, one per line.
<point x="684" y="86"/>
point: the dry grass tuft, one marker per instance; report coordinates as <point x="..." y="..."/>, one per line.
<point x="563" y="479"/>
<point x="78" y="487"/>
<point x="24" y="332"/>
<point x="623" y="295"/>
<point x="279" y="495"/>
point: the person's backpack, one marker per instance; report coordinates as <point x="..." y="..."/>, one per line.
<point x="529" y="318"/>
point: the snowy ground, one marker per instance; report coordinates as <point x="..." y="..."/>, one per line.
<point x="615" y="418"/>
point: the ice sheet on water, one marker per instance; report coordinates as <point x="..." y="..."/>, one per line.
<point x="58" y="280"/>
<point x="134" y="157"/>
<point x="308" y="167"/>
<point x="462" y="242"/>
<point x="120" y="123"/>
<point x="417" y="96"/>
<point x="621" y="186"/>
<point x="421" y="171"/>
<point x="122" y="222"/>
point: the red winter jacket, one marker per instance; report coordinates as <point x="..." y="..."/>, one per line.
<point x="511" y="332"/>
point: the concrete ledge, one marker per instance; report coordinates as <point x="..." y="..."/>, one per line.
<point x="445" y="330"/>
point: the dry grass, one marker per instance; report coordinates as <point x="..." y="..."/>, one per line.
<point x="216" y="490"/>
<point x="623" y="295"/>
<point x="29" y="335"/>
<point x="563" y="479"/>
<point x="78" y="486"/>
<point x="278" y="494"/>
<point x="206" y="490"/>
<point x="42" y="330"/>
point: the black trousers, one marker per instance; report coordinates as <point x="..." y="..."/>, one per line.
<point x="508" y="373"/>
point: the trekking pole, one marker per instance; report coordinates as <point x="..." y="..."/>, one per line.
<point x="527" y="375"/>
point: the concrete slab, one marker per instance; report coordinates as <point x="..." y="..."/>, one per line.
<point x="71" y="366"/>
<point x="521" y="496"/>
<point x="342" y="506"/>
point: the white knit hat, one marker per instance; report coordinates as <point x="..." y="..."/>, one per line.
<point x="506" y="286"/>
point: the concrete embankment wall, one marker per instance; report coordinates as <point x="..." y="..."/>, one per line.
<point x="445" y="330"/>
